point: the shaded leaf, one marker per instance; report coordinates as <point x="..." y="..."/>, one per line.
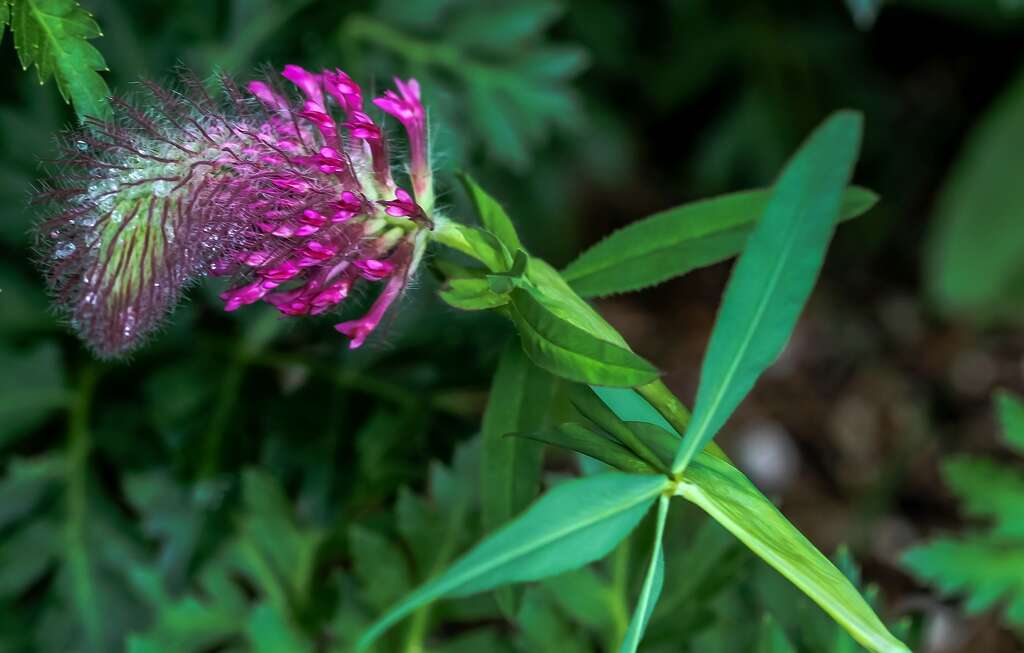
<point x="32" y="387"/>
<point x="520" y="397"/>
<point x="570" y="352"/>
<point x="773" y="277"/>
<point x="579" y="438"/>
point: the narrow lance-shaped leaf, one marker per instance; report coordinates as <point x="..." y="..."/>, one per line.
<point x="731" y="499"/>
<point x="577" y="437"/>
<point x="673" y="242"/>
<point x="568" y="351"/>
<point x="572" y="525"/>
<point x="773" y="277"/>
<point x="509" y="467"/>
<point x="651" y="590"/>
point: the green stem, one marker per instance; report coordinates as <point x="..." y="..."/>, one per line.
<point x="79" y="567"/>
<point x="227" y="397"/>
<point x="420" y="620"/>
<point x="658" y="395"/>
<point x="620" y="586"/>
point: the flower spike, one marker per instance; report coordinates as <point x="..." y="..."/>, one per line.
<point x="289" y="194"/>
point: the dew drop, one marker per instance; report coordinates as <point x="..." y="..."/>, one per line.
<point x="161" y="188"/>
<point x="64" y="250"/>
<point x="88" y="220"/>
<point x="82" y="146"/>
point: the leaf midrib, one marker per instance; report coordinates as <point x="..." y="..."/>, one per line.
<point x="687" y="453"/>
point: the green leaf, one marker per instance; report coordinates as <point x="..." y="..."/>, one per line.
<point x="673" y="242"/>
<point x="651" y="590"/>
<point x="575" y="523"/>
<point x="663" y="443"/>
<point x="595" y="410"/>
<point x="985" y="569"/>
<point x="577" y="437"/>
<point x="973" y="259"/>
<point x="492" y="215"/>
<point x="504" y="26"/>
<point x="53" y="35"/>
<point x="1011" y="417"/>
<point x="773" y="277"/>
<point x="773" y="638"/>
<point x="503" y="282"/>
<point x="32" y="387"/>
<point x="731" y="499"/>
<point x="471" y="295"/>
<point x="476" y="243"/>
<point x="520" y="397"/>
<point x="988" y="489"/>
<point x="379" y="565"/>
<point x="570" y="352"/>
<point x="269" y="632"/>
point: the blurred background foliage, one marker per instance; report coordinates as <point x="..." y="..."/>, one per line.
<point x="248" y="484"/>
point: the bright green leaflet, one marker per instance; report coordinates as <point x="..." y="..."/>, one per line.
<point x="673" y="242"/>
<point x="651" y="590"/>
<point x="509" y="467"/>
<point x="53" y="35"/>
<point x="572" y="525"/>
<point x="773" y="277"/>
<point x="1011" y="417"/>
<point x="973" y="264"/>
<point x="732" y="500"/>
<point x="492" y="215"/>
<point x="568" y="351"/>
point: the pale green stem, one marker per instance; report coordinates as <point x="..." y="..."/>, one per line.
<point x="76" y="544"/>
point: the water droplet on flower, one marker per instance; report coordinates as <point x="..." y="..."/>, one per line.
<point x="129" y="322"/>
<point x="64" y="250"/>
<point x="88" y="220"/>
<point x="115" y="216"/>
<point x="82" y="146"/>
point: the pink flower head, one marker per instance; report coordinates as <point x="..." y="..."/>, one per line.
<point x="358" y="330"/>
<point x="344" y="91"/>
<point x="374" y="270"/>
<point x="268" y="97"/>
<point x="408" y="109"/>
<point x="274" y="191"/>
<point x="403" y="206"/>
<point x="361" y="125"/>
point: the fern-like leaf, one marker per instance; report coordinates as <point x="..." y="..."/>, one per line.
<point x="987" y="565"/>
<point x="53" y="36"/>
